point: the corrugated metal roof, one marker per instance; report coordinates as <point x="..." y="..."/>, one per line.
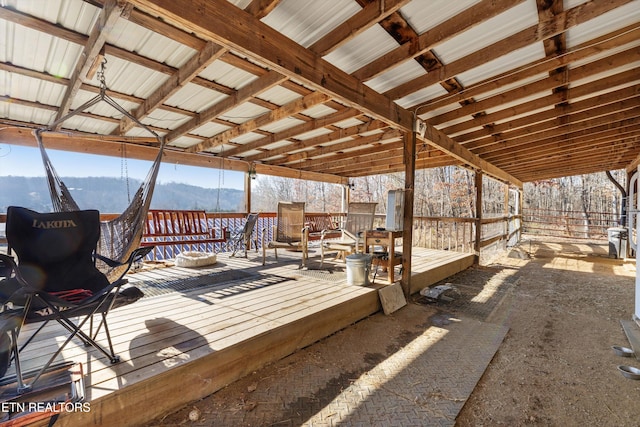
<point x="513" y="60"/>
<point x="227" y="75"/>
<point x="192" y="97"/>
<point x="305" y="21"/>
<point x="446" y="82"/>
<point x="371" y="44"/>
<point x="518" y="18"/>
<point x="620" y="17"/>
<point x="424" y="15"/>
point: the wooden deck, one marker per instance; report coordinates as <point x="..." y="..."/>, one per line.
<point x="202" y="329"/>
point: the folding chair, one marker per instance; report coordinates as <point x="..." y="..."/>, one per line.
<point x="360" y="216"/>
<point x="290" y="232"/>
<point x="56" y="278"/>
<point x="243" y="235"/>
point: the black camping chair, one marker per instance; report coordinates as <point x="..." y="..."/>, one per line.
<point x="243" y="236"/>
<point x="56" y="278"/>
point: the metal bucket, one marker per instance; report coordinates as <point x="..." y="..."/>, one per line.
<point x="358" y="268"/>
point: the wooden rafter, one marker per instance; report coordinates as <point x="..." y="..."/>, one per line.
<point x="421" y="44"/>
<point x="243" y="95"/>
<point x="223" y="23"/>
<point x="336" y="135"/>
<point x="261" y="8"/>
<point x="185" y="74"/>
<point x="92" y="49"/>
<point x="370" y="14"/>
<point x="554" y="26"/>
<point x="253" y="124"/>
<point x="343" y="114"/>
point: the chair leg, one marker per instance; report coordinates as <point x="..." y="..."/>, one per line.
<point x="6" y="349"/>
<point x="114" y="358"/>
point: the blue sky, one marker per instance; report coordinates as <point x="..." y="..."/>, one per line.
<point x="25" y="161"/>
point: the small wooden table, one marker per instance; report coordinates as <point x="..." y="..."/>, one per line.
<point x="386" y="239"/>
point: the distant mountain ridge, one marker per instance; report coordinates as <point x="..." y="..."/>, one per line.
<point x="111" y="195"/>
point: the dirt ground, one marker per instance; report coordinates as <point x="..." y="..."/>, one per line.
<point x="562" y="301"/>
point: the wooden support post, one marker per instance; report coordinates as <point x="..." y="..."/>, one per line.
<point x="409" y="141"/>
<point x="520" y="211"/>
<point x="478" y="237"/>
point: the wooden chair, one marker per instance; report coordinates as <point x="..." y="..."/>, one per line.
<point x="289" y="232"/>
<point x="360" y="216"/>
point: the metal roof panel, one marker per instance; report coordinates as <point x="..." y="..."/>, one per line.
<point x="134" y="38"/>
<point x="396" y="76"/>
<point x="423" y="15"/>
<point x="488" y="32"/>
<point x="227" y="75"/>
<point x="306" y="21"/>
<point x="361" y="50"/>
<point x="618" y="18"/>
<point x="193" y="97"/>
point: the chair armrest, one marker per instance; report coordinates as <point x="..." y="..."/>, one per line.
<point x="350" y="235"/>
<point x="323" y="233"/>
<point x="137" y="255"/>
<point x="9" y="266"/>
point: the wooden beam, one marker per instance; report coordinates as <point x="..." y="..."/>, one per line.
<point x="338" y="116"/>
<point x="185" y="74"/>
<point x="326" y="152"/>
<point x="244" y="94"/>
<point x="225" y="24"/>
<point x="509" y="78"/>
<point x="586" y="90"/>
<point x="560" y="139"/>
<point x="590" y="150"/>
<point x="471" y="17"/>
<point x="544" y="30"/>
<point x="142" y="149"/>
<point x="365" y="157"/>
<point x="478" y="222"/>
<point x="371" y="14"/>
<point x="104" y="24"/>
<point x="251" y="125"/>
<point x="552" y="82"/>
<point x="261" y="8"/>
<point x="562" y="143"/>
<point x="578" y="111"/>
<point x="352" y="131"/>
<point x="409" y="160"/>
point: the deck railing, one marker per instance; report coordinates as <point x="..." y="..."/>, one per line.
<point x="575" y="224"/>
<point x="444" y="233"/>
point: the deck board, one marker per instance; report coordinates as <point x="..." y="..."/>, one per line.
<point x="212" y="335"/>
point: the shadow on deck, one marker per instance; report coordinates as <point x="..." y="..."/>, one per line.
<point x="205" y="328"/>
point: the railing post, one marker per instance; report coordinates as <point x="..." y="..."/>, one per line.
<point x="478" y="236"/>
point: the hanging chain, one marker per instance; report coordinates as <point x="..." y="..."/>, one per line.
<point x="101" y="78"/>
<point x="124" y="170"/>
